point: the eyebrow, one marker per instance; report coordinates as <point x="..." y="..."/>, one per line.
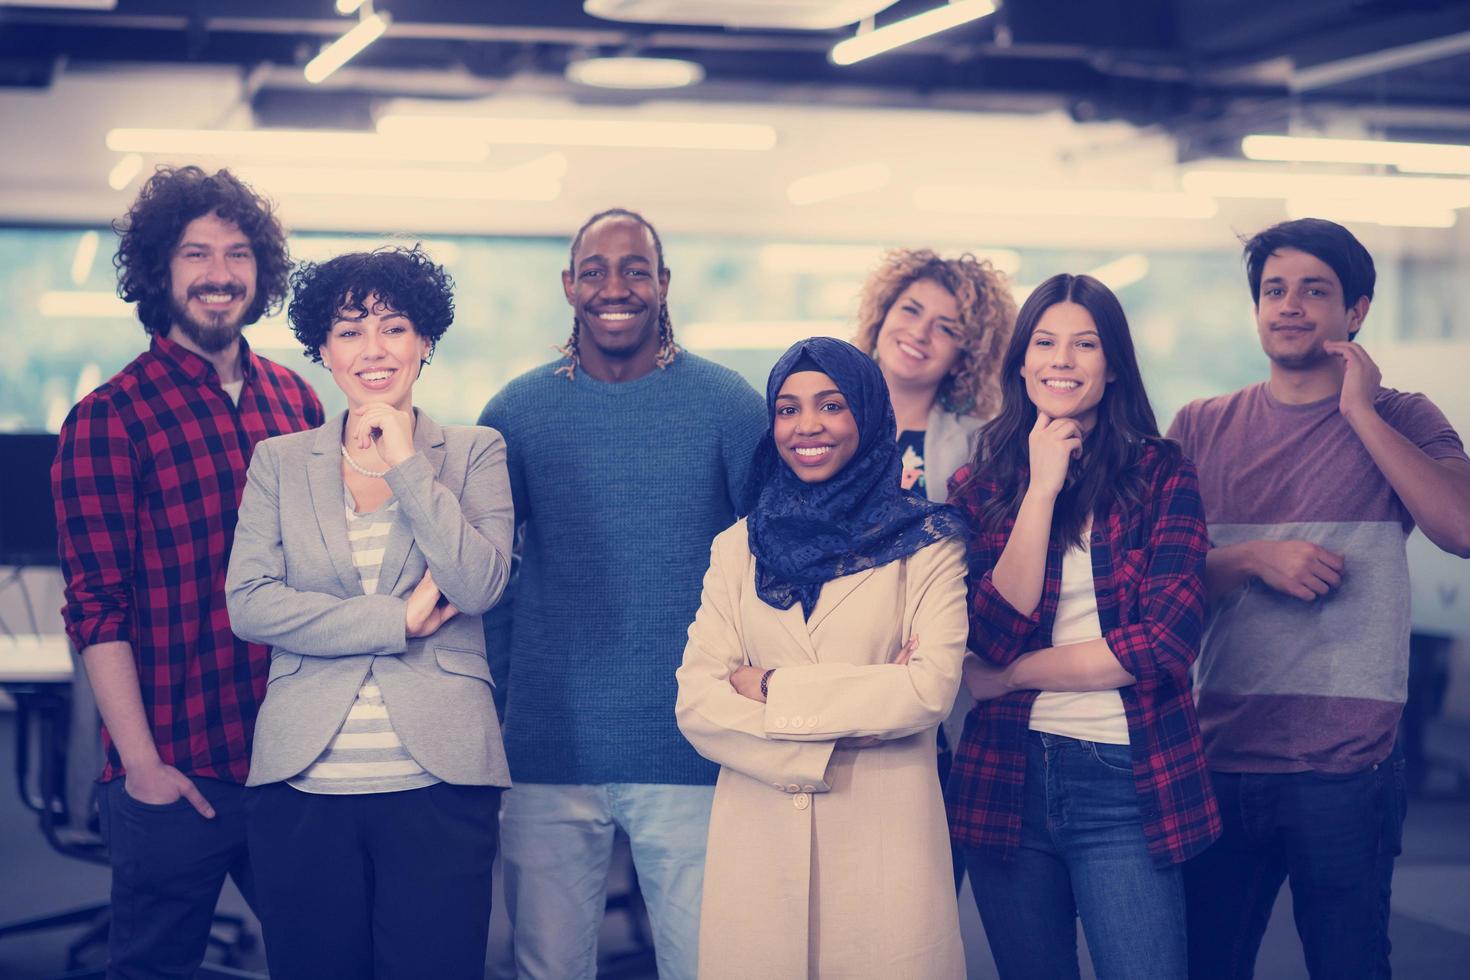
<point x="1080" y="333"/>
<point x="1282" y="280"/>
<point x="820" y="394"/>
<point x="625" y="259"/>
<point x="242" y="243"/>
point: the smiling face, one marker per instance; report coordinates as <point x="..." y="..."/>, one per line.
<point x="617" y="291"/>
<point x="1301" y="308"/>
<point x="211" y="276"/>
<point x="919" y="341"/>
<point x="375" y="358"/>
<point x="814" y="429"/>
<point x="1065" y="369"/>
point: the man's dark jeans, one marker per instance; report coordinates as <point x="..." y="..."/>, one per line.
<point x="1334" y="836"/>
<point x="168" y="865"/>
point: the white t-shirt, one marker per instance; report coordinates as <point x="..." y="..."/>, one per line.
<point x="1095" y="716"/>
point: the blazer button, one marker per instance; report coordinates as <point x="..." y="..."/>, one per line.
<point x="792" y="788"/>
<point x="811" y="722"/>
<point x="808" y="788"/>
<point x="780" y="722"/>
<point x="778" y="786"/>
<point x="801" y="801"/>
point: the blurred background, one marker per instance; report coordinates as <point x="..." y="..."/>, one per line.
<point x="779" y="146"/>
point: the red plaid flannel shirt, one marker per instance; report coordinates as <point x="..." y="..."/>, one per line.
<point x="147" y="480"/>
<point x="1151" y="604"/>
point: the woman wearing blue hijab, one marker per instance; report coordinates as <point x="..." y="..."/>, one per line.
<point x="826" y="650"/>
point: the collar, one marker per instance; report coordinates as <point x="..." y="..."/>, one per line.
<point x="195" y="367"/>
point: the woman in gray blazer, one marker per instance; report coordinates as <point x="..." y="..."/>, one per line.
<point x="365" y="553"/>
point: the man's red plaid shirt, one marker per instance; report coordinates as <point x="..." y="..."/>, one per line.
<point x="147" y="481"/>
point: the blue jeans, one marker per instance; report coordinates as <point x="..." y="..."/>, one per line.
<point x="1335" y="837"/>
<point x="556" y="842"/>
<point x="1082" y="854"/>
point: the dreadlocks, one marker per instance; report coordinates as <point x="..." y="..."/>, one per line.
<point x="571" y="350"/>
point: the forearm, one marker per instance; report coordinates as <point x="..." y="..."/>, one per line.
<point x="114" y="679"/>
<point x="1020" y="572"/>
<point x="1086" y="666"/>
<point x="1227" y="568"/>
<point x="1435" y="492"/>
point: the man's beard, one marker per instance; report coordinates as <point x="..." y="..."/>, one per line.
<point x="213" y="333"/>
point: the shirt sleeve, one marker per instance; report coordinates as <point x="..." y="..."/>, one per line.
<point x="1164" y="641"/>
<point x="743" y="431"/>
<point x="497" y="622"/>
<point x="998" y="630"/>
<point x="94" y="482"/>
<point x="1422" y="423"/>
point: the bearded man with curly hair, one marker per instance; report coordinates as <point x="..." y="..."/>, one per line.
<point x="147" y="483"/>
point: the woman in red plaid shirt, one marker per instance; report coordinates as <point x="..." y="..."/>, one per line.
<point x="1080" y="785"/>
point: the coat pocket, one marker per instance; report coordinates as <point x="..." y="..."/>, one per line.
<point x="470" y="663"/>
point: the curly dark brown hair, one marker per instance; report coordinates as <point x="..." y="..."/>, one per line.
<point x="987" y="315"/>
<point x="404" y="280"/>
<point x="169" y="200"/>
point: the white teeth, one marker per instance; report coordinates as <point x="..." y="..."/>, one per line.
<point x="912" y="351"/>
<point x="376" y="375"/>
<point x="215" y="297"/>
<point x="1060" y="385"/>
<point x="813" y="451"/>
<point x="615" y="316"/>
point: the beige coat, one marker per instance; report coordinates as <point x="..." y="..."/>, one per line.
<point x="827" y="862"/>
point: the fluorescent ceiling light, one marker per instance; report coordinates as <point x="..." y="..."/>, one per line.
<point x="1064" y="201"/>
<point x="853" y="260"/>
<point x="84" y="256"/>
<point x="84" y="305"/>
<point x="348" y="6"/>
<point x="1121" y="272"/>
<point x="124" y="171"/>
<point x="1373" y="212"/>
<point x="781" y="15"/>
<point x="911" y="29"/>
<point x="454" y="185"/>
<point x="635" y="73"/>
<point x="1425" y="193"/>
<point x="830" y="184"/>
<point x="293" y="143"/>
<point x="760" y="334"/>
<point x="1429" y="158"/>
<point x="583" y="132"/>
<point x="346" y="47"/>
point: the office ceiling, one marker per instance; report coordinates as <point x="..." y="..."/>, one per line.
<point x="1205" y="69"/>
<point x="1039" y="100"/>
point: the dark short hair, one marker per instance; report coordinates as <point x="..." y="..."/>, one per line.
<point x="404" y="280"/>
<point x="658" y="245"/>
<point x="1325" y="240"/>
<point x="169" y="200"/>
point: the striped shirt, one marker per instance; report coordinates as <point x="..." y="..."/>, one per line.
<point x="365" y="756"/>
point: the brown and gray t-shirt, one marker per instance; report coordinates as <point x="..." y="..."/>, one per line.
<point x="1285" y="685"/>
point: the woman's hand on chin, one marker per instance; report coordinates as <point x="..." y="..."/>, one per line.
<point x="1053" y="444"/>
<point x="380" y="424"/>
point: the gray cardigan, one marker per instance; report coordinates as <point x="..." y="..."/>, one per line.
<point x="292" y="585"/>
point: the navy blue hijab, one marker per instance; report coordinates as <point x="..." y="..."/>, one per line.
<point x="806" y="534"/>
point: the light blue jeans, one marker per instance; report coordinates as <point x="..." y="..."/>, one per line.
<point x="556" y="842"/>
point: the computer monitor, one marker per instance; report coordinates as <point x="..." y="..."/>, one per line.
<point x="27" y="514"/>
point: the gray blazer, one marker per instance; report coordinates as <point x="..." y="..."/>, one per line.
<point x="292" y="585"/>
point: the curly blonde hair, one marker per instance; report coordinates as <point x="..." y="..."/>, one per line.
<point x="987" y="315"/>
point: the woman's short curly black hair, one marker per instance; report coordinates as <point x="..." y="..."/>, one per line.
<point x="169" y="200"/>
<point x="404" y="280"/>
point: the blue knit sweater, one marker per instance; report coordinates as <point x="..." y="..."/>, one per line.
<point x="619" y="490"/>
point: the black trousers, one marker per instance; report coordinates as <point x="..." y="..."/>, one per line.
<point x="380" y="885"/>
<point x="168" y="865"/>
